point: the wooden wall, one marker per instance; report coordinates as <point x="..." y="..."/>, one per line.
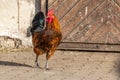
<point x="89" y="24"/>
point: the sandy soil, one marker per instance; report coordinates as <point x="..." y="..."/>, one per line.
<point x="64" y="65"/>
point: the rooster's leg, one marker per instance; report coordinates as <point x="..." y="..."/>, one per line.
<point x="36" y="61"/>
<point x="48" y="55"/>
<point x="46" y="65"/>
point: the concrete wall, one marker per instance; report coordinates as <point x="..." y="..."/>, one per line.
<point x="15" y="18"/>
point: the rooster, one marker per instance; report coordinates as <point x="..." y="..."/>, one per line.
<point x="48" y="39"/>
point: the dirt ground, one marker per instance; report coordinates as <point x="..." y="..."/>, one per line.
<point x="64" y="65"/>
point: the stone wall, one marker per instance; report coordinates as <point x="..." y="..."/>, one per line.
<point x="15" y="18"/>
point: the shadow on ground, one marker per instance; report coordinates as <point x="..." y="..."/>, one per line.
<point x="7" y="63"/>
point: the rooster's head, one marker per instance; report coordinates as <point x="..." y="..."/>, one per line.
<point x="50" y="16"/>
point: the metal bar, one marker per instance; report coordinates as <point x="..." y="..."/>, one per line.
<point x="37" y="6"/>
<point x="40" y="5"/>
<point x="46" y="6"/>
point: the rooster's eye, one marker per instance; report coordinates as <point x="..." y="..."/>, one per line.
<point x="49" y="19"/>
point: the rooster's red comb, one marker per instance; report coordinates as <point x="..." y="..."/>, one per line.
<point x="50" y="12"/>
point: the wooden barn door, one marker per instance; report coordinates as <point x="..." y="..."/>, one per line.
<point x="89" y="24"/>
